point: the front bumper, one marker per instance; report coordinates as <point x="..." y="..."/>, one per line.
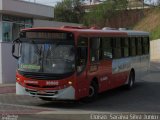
<point x="63" y="94"/>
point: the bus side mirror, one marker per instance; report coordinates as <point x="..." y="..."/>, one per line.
<point x="16" y="49"/>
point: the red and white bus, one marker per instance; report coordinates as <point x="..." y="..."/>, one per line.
<point x="71" y="63"/>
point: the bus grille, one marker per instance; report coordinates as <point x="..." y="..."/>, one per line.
<point x="44" y="76"/>
<point x="37" y="86"/>
<point x="47" y="93"/>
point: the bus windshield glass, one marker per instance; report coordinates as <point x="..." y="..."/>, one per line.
<point x="42" y="56"/>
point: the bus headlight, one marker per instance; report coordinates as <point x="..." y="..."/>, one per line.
<point x="17" y="78"/>
<point x="70" y="83"/>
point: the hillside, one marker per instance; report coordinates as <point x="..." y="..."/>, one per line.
<point x="150" y="23"/>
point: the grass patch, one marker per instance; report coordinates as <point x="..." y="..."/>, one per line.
<point x="155" y="34"/>
<point x="150" y="23"/>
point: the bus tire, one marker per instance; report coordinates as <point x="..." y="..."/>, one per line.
<point x="131" y="80"/>
<point x="93" y="90"/>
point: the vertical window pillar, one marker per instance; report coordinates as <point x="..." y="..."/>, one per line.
<point x="0" y="28"/>
<point x="6" y="31"/>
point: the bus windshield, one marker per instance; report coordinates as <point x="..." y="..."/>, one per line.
<point x="47" y="57"/>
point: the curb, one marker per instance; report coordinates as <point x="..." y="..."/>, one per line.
<point x="7" y="88"/>
<point x="7" y="85"/>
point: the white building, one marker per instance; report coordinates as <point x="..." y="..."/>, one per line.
<point x="92" y="2"/>
<point x="15" y="15"/>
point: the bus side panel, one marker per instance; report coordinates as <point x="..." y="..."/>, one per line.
<point x="104" y="72"/>
<point x="143" y="67"/>
<point x="120" y="71"/>
<point x="122" y="67"/>
<point x="82" y="89"/>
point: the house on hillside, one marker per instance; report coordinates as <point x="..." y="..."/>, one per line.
<point x="131" y="3"/>
<point x="92" y="2"/>
<point x="135" y="3"/>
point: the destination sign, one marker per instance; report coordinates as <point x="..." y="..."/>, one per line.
<point x="46" y="35"/>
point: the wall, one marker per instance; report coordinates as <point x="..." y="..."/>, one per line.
<point x="1" y="65"/>
<point x="127" y="18"/>
<point x="155" y="49"/>
<point x="0" y="4"/>
<point x="7" y="64"/>
<point x="0" y="52"/>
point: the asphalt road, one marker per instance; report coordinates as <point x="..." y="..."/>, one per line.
<point x="143" y="98"/>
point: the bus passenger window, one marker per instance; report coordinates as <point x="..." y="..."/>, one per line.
<point x="107" y="48"/>
<point x="82" y="53"/>
<point x="117" y="53"/>
<point x="94" y="49"/>
<point x="132" y="47"/>
<point x="145" y="45"/>
<point x="125" y="47"/>
<point x="139" y="46"/>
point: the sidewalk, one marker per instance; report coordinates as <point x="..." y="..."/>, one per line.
<point x="155" y="66"/>
<point x="7" y="88"/>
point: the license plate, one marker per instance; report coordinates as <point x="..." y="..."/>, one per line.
<point x="42" y="92"/>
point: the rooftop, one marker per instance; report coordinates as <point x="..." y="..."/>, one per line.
<point x="44" y="2"/>
<point x="28" y="9"/>
<point x="91" y="30"/>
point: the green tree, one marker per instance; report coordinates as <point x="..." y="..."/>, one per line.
<point x="69" y="11"/>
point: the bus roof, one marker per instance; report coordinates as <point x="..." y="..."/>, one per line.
<point x="85" y="30"/>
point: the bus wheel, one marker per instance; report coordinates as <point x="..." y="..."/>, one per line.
<point x="93" y="90"/>
<point x="131" y="81"/>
